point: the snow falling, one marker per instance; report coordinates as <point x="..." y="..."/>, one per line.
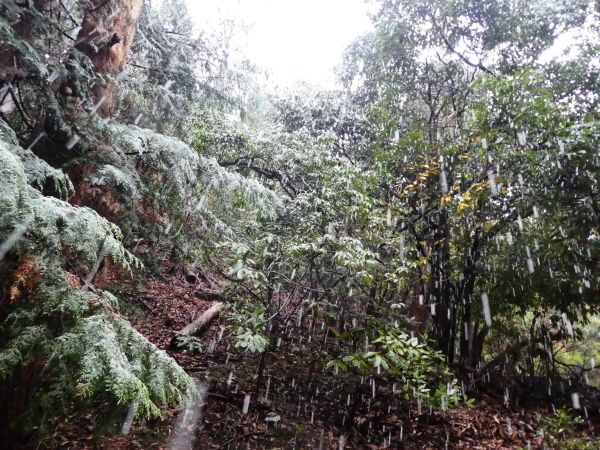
<point x="14" y="237"/>
<point x="149" y="174"/>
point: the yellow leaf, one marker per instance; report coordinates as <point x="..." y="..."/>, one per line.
<point x="446" y="198"/>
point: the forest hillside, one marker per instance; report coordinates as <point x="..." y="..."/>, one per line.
<point x="411" y="260"/>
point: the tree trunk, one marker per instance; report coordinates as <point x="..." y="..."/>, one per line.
<point x="466" y="297"/>
<point x="418" y="307"/>
<point x="260" y="371"/>
<point x="444" y="311"/>
<point x="478" y="339"/>
<point x="106" y="37"/>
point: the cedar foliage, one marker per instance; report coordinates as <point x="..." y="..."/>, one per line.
<point x="78" y="186"/>
<point x="387" y="210"/>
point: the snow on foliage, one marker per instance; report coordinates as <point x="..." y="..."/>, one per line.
<point x="83" y="326"/>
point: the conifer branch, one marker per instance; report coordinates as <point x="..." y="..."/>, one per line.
<point x="68" y="13"/>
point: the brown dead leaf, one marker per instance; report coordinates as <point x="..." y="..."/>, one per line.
<point x="25" y="277"/>
<point x="502" y="432"/>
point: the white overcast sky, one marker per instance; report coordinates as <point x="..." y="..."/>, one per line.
<point x="294" y="40"/>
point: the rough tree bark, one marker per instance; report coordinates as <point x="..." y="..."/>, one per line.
<point x="106" y="37"/>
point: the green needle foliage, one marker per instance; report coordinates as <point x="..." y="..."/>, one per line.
<point x="76" y="189"/>
<point x="450" y="192"/>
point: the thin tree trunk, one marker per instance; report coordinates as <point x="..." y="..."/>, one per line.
<point x="444" y="309"/>
<point x="478" y="340"/>
<point x="261" y="371"/>
<point x="466" y="297"/>
<point x="418" y="308"/>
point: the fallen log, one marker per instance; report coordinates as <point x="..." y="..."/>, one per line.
<point x="199" y="325"/>
<point x="208" y="295"/>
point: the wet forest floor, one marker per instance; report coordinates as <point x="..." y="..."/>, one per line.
<point x="292" y="405"/>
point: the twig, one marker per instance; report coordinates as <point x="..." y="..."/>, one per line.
<point x="6" y="93"/>
<point x="86" y="284"/>
<point x="572" y="367"/>
<point x="170" y="71"/>
<point x="146" y="305"/>
<point x="174" y="32"/>
<point x="68" y="13"/>
<point x="280" y="309"/>
<point x="212" y="394"/>
<point x="3" y="117"/>
<point x="139" y="153"/>
<point x="66" y="35"/>
<point x="465" y="59"/>
<point x="19" y="106"/>
<point x="90" y="277"/>
<point x="99" y="6"/>
<point x="21" y="101"/>
<point x="241" y="436"/>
